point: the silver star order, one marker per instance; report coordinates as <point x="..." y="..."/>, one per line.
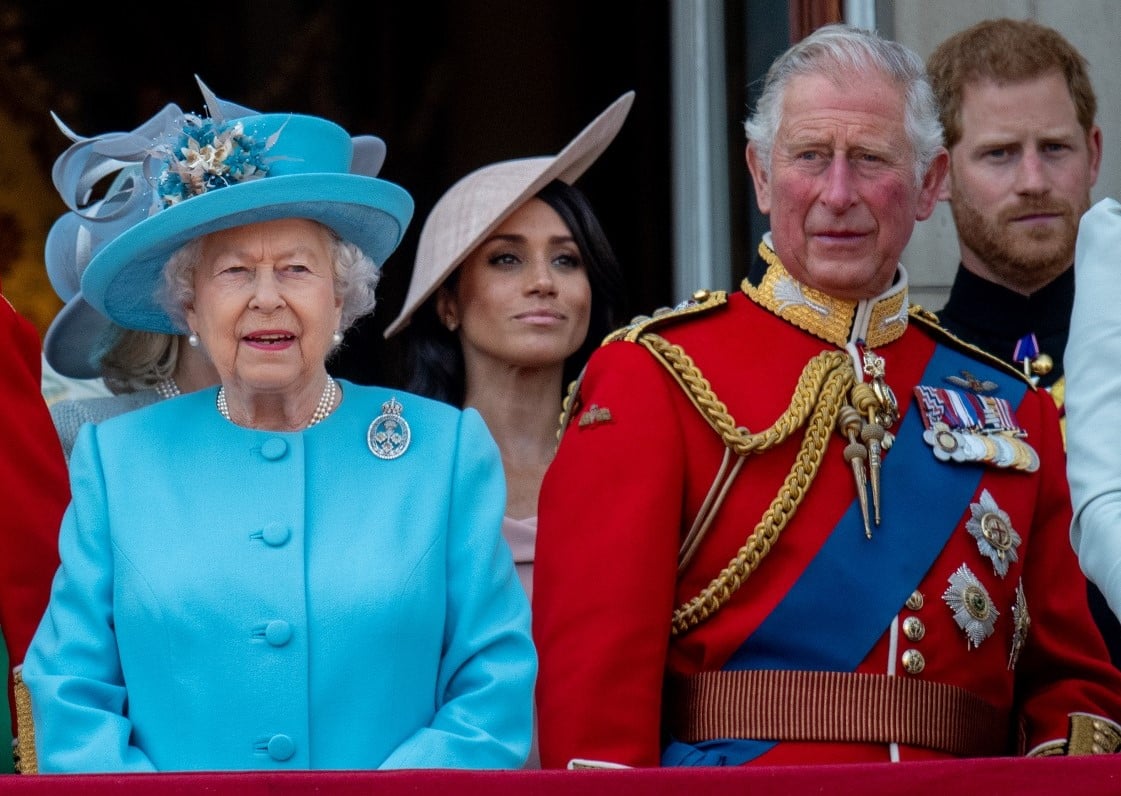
<point x="973" y="610"/>
<point x="992" y="528"/>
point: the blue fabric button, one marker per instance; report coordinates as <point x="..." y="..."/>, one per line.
<point x="276" y="534"/>
<point x="274" y="448"/>
<point x="278" y="632"/>
<point x="281" y="747"/>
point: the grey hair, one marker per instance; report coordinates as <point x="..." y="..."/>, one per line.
<point x="833" y="50"/>
<point x="356" y="280"/>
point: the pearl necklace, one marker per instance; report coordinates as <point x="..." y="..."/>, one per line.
<point x="167" y="388"/>
<point x="325" y="406"/>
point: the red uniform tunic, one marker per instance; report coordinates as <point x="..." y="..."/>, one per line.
<point x="637" y="461"/>
<point x="36" y="489"/>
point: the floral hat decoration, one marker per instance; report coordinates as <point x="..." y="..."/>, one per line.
<point x="202" y="174"/>
<point x="478" y="204"/>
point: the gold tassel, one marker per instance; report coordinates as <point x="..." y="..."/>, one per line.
<point x="849" y="423"/>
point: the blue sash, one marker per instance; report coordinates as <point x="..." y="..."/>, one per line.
<point x="816" y="628"/>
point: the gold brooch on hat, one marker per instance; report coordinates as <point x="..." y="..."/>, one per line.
<point x="389" y="434"/>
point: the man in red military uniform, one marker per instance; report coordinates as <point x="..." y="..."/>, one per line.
<point x="36" y="489"/>
<point x="1019" y="114"/>
<point x="800" y="523"/>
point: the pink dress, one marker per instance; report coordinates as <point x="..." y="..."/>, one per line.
<point x="521" y="535"/>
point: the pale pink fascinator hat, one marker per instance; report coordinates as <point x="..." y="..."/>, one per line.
<point x="476" y="205"/>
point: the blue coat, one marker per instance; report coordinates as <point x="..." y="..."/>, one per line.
<point x="236" y="599"/>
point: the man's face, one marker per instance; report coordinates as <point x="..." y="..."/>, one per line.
<point x="1020" y="180"/>
<point x="841" y="189"/>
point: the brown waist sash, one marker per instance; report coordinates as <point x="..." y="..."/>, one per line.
<point x="834" y="707"/>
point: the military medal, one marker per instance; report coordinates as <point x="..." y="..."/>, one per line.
<point x="1034" y="362"/>
<point x="1005" y="453"/>
<point x="973" y="426"/>
<point x="389" y="434"/>
<point x="973" y="609"/>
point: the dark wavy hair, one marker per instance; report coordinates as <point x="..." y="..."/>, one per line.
<point x="433" y="356"/>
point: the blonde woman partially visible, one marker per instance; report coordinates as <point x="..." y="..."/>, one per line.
<point x="139" y="368"/>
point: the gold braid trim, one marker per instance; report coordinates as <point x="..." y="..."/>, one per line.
<point x="742" y="442"/>
<point x="568" y="405"/>
<point x="26" y="760"/>
<point x="819" y="396"/>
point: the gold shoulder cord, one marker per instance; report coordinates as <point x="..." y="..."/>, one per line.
<point x="818" y="397"/>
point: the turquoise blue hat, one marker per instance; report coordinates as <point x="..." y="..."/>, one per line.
<point x="238" y="167"/>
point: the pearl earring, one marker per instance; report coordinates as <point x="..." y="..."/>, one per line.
<point x="452" y="324"/>
<point x="193" y="340"/>
<point x="337" y="337"/>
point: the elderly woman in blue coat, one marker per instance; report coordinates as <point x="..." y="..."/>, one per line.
<point x="286" y="571"/>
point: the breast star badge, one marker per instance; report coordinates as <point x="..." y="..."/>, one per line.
<point x="992" y="528"/>
<point x="973" y="609"/>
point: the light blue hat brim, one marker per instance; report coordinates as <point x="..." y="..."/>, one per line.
<point x="78" y="333"/>
<point x="75" y="337"/>
<point x="124" y="278"/>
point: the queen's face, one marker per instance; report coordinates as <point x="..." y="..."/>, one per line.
<point x="265" y="307"/>
<point x="523" y="298"/>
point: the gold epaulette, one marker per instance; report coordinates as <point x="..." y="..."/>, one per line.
<point x="702" y="301"/>
<point x="928" y="320"/>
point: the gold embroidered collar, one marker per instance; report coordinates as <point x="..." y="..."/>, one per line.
<point x="876" y="321"/>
